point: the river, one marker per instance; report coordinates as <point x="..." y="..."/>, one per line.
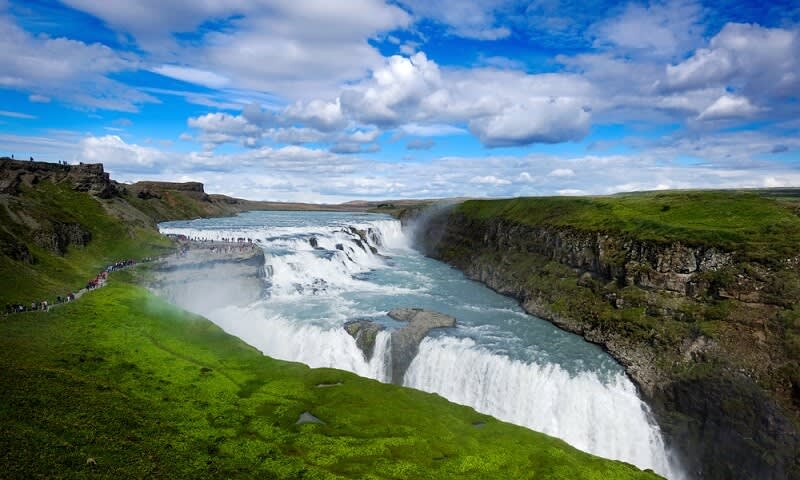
<point x="323" y="272"/>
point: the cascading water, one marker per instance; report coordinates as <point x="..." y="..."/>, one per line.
<point x="329" y="268"/>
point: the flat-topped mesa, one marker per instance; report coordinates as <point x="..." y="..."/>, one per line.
<point x="84" y="177"/>
<point x="148" y="189"/>
<point x="180" y="186"/>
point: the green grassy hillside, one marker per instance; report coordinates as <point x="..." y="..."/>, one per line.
<point x="145" y="390"/>
<point x="755" y="226"/>
<point x="37" y="212"/>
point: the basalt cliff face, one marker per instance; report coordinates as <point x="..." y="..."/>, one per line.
<point x="699" y="330"/>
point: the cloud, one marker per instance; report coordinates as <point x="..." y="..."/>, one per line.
<point x="662" y="30"/>
<point x="152" y="22"/>
<point x="729" y="107"/>
<point x="502" y="108"/>
<point x="395" y="91"/>
<point x="23" y="116"/>
<point x="420" y="144"/>
<point x="296" y="135"/>
<point x="539" y="120"/>
<point x="476" y="19"/>
<point x="218" y="128"/>
<point x="363" y="136"/>
<point x="315" y="174"/>
<point x="570" y="192"/>
<point x="562" y="172"/>
<point x="431" y="130"/>
<point x="758" y="61"/>
<point x="349" y="148"/>
<point x="490" y="180"/>
<point x="193" y="75"/>
<point x="38" y="99"/>
<point x="412" y="94"/>
<point x="70" y="70"/>
<point x="317" y="114"/>
<point x="116" y="154"/>
<point x="282" y="46"/>
<point x="416" y="97"/>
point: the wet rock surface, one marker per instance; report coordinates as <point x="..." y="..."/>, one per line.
<point x="365" y="332"/>
<point x="404" y="341"/>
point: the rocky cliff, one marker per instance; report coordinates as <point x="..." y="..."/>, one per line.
<point x="700" y="329"/>
<point x="84" y="177"/>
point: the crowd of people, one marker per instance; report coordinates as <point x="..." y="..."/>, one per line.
<point x="220" y="246"/>
<point x="96" y="282"/>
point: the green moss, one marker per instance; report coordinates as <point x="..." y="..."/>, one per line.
<point x="759" y="228"/>
<point x="147" y="390"/>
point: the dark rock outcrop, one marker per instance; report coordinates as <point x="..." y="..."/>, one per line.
<point x="84" y="177"/>
<point x="59" y="236"/>
<point x="365" y="332"/>
<point x="15" y="250"/>
<point x="404" y="341"/>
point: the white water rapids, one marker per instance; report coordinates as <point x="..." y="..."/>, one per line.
<point x="328" y="268"/>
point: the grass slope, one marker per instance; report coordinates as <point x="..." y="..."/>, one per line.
<point x="147" y="390"/>
<point x="759" y="228"/>
<point x="112" y="239"/>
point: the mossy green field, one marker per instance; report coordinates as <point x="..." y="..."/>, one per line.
<point x="758" y="227"/>
<point x="146" y="390"/>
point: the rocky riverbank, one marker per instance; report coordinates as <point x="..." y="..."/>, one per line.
<point x="697" y="329"/>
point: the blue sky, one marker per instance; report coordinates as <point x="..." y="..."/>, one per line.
<point x="365" y="99"/>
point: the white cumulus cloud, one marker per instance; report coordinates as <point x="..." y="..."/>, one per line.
<point x="728" y="107"/>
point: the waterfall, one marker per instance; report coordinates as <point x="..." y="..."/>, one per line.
<point x="328" y="269"/>
<point x="607" y="419"/>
